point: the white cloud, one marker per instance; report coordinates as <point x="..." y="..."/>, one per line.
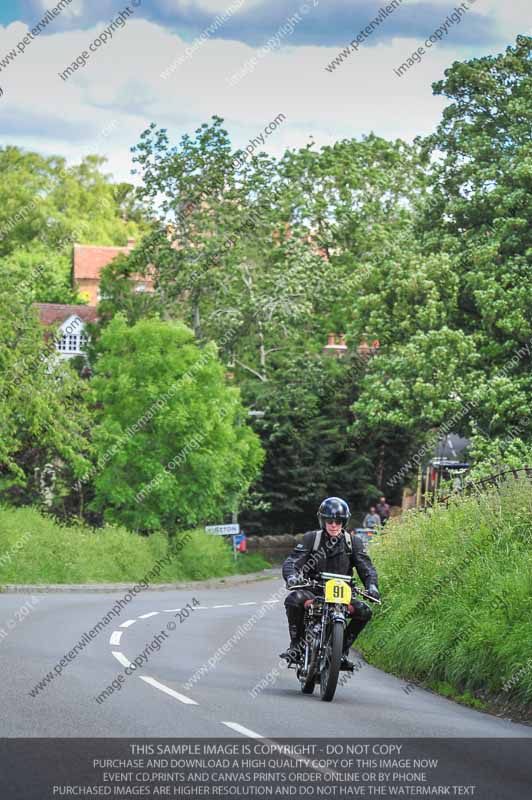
<point x="120" y="87"/>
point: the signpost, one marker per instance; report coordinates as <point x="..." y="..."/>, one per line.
<point x="233" y="531"/>
<point x="223" y="530"/>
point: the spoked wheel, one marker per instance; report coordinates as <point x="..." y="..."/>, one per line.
<point x="330" y="663"/>
<point x="308" y="680"/>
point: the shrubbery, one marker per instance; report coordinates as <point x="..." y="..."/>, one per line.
<point x="36" y="550"/>
<point x="457" y="592"/>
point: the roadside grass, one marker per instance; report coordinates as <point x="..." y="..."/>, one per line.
<point x="457" y="597"/>
<point x="35" y="549"/>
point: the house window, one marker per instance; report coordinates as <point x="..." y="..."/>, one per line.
<point x="72" y="343"/>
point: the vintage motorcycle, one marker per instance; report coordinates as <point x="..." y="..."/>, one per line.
<point x="324" y="625"/>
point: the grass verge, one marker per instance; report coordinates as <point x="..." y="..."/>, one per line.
<point x="457" y="594"/>
<point x="34" y="549"/>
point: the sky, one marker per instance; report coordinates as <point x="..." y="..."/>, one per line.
<point x="140" y="70"/>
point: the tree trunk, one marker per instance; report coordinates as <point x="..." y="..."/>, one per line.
<point x="262" y="351"/>
<point x="196" y="322"/>
<point x="380" y="467"/>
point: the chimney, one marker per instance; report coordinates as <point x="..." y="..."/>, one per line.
<point x="333" y="348"/>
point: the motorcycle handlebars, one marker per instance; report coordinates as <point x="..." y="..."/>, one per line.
<point x="325" y="576"/>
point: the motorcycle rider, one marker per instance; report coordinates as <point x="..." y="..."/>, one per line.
<point x="330" y="549"/>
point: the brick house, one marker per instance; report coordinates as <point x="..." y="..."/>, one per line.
<point x="87" y="263"/>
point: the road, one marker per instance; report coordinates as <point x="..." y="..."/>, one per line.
<point x="163" y="698"/>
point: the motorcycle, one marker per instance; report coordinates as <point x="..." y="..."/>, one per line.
<point x="325" y="621"/>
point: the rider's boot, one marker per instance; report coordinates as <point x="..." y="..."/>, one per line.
<point x="293" y="653"/>
<point x="351" y="633"/>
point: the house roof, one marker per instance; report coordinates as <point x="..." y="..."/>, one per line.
<point x="51" y="313"/>
<point x="90" y="259"/>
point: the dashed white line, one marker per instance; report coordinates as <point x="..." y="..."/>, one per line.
<point x="122" y="658"/>
<point x="127" y="623"/>
<point x="204" y="608"/>
<point x="253" y="603"/>
<point x="162" y="688"/>
<point x="271" y="601"/>
<point x="171" y="610"/>
<point x="149" y="614"/>
<point x="244" y="731"/>
<point x="223" y="606"/>
<point x="115" y="637"/>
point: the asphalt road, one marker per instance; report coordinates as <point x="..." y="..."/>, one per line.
<point x="168" y="697"/>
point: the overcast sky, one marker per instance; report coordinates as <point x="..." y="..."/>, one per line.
<point x="105" y="104"/>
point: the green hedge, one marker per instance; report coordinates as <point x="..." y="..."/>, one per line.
<point x="457" y="595"/>
<point x="35" y="549"/>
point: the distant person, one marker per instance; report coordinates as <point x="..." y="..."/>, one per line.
<point x="372" y="519"/>
<point x="383" y="510"/>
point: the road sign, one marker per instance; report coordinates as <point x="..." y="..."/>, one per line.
<point x="223" y="530"/>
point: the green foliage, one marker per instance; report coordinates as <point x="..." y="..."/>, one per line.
<point x="46" y="272"/>
<point x="35" y="549"/>
<point x="448" y="297"/>
<point x="191" y="455"/>
<point x="46" y="206"/>
<point x="43" y="418"/>
<point x="310" y="452"/>
<point x="491" y="456"/>
<point x="118" y="293"/>
<point x="457" y="589"/>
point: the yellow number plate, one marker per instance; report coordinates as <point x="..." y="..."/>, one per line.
<point x="337" y="591"/>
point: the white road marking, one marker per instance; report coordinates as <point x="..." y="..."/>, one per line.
<point x="244" y="731"/>
<point x="122" y="658"/>
<point x="223" y="606"/>
<point x="127" y="623"/>
<point x="275" y="745"/>
<point x="253" y="603"/>
<point x="171" y="610"/>
<point x="162" y="688"/>
<point x="203" y="607"/>
<point x="271" y="601"/>
<point x="149" y="614"/>
<point x="115" y="637"/>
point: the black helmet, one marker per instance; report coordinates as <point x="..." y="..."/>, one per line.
<point x="333" y="509"/>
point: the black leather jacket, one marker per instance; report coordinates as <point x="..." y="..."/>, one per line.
<point x="331" y="556"/>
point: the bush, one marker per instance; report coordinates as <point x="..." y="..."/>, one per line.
<point x="35" y="549"/>
<point x="457" y="593"/>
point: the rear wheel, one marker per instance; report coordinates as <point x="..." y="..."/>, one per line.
<point x="330" y="663"/>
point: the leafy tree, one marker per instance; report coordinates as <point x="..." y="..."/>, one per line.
<point x="44" y="271"/>
<point x="450" y="306"/>
<point x="173" y="447"/>
<point x="46" y="206"/>
<point x="480" y="214"/>
<point x="119" y="294"/>
<point x="311" y="451"/>
<point x="43" y="417"/>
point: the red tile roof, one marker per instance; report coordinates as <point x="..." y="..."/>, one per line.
<point x="90" y="259"/>
<point x="51" y="313"/>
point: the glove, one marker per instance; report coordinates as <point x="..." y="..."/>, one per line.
<point x="373" y="591"/>
<point x="292" y="580"/>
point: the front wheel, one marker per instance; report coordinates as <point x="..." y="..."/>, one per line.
<point x="331" y="658"/>
<point x="308" y="681"/>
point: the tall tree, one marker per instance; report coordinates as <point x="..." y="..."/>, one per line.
<point x="173" y="448"/>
